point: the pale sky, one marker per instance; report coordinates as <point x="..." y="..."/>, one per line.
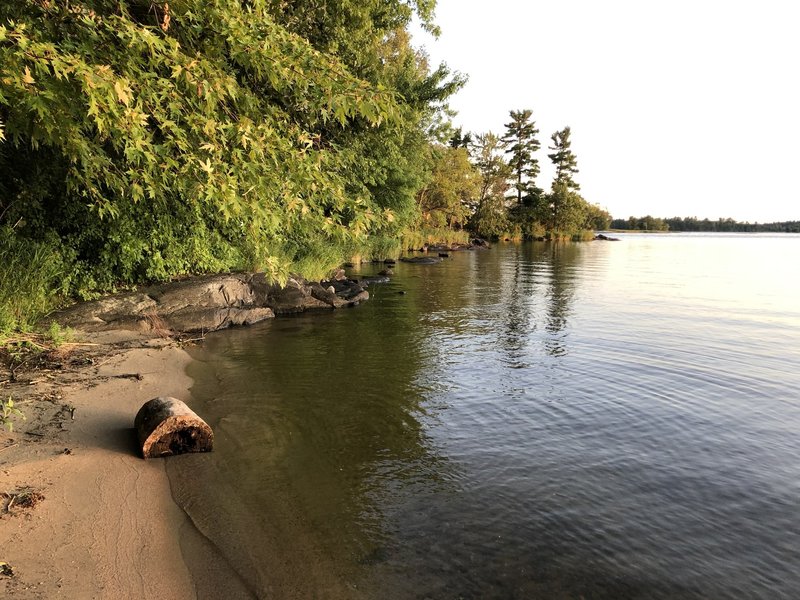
<point x="679" y="108"/>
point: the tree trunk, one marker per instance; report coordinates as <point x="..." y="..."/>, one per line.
<point x="166" y="426"/>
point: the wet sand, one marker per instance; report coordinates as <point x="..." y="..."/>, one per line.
<point x="107" y="526"/>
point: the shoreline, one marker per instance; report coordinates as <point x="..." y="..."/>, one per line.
<point x="105" y="524"/>
<point x="108" y="523"/>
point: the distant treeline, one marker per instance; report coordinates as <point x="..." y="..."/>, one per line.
<point x="649" y="223"/>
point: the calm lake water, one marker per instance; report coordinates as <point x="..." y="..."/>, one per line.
<point x="597" y="420"/>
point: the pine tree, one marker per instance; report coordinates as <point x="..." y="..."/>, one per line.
<point x="459" y="139"/>
<point x="564" y="159"/>
<point x="566" y="208"/>
<point x="521" y="142"/>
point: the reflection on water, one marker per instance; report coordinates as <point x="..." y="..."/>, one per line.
<point x="537" y="421"/>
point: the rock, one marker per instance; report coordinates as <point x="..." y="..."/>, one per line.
<point x="422" y="260"/>
<point x="203" y="292"/>
<point x="286" y="300"/>
<point x="166" y="426"/>
<point x="339" y="275"/>
<point x="349" y="292"/>
<point x="390" y="261"/>
<point x="326" y="295"/>
<point x="386" y="273"/>
<point x="366" y="281"/>
<point x="211" y="319"/>
<point x="124" y="308"/>
<point x="312" y="303"/>
<point x="210" y="303"/>
<point x="606" y="238"/>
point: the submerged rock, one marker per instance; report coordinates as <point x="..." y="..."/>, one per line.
<point x="422" y="260"/>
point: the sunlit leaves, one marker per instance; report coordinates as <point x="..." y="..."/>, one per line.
<point x="218" y="112"/>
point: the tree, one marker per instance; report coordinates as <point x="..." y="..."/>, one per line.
<point x="146" y="140"/>
<point x="565" y="209"/>
<point x="568" y="211"/>
<point x="452" y="192"/>
<point x="521" y="143"/>
<point x="489" y="219"/>
<point x="458" y="139"/>
<point x="597" y="219"/>
<point x="564" y="159"/>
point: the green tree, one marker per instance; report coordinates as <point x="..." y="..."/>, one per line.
<point x="144" y="140"/>
<point x="597" y="219"/>
<point x="490" y="219"/>
<point x="565" y="210"/>
<point x="452" y="193"/>
<point x="458" y="139"/>
<point x="521" y="144"/>
<point x="564" y="159"/>
<point x="568" y="212"/>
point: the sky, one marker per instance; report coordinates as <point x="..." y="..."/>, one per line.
<point x="679" y="108"/>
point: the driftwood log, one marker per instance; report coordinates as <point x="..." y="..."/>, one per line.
<point x="166" y="426"/>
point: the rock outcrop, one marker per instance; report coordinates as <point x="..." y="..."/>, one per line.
<point x="208" y="303"/>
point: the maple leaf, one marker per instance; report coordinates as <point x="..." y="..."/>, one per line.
<point x="122" y="93"/>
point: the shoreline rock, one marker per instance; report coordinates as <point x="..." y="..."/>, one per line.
<point x="211" y="302"/>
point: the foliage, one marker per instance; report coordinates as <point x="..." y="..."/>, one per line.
<point x="560" y="214"/>
<point x="597" y="219"/>
<point x="147" y="140"/>
<point x="459" y="139"/>
<point x="431" y="236"/>
<point x="8" y="412"/>
<point x="32" y="279"/>
<point x="521" y="144"/>
<point x="565" y="161"/>
<point x="567" y="211"/>
<point x="453" y="189"/>
<point x="649" y="223"/>
<point x="490" y="219"/>
<point x="528" y="220"/>
<point x="58" y="335"/>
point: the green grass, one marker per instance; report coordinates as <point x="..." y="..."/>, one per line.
<point x="31" y="281"/>
<point x="434" y="236"/>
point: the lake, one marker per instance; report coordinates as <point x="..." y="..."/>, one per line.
<point x="593" y="420"/>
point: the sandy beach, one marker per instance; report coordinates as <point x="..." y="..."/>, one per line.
<point x="82" y="515"/>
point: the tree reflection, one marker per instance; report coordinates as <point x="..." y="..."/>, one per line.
<point x="319" y="418"/>
<point x="325" y="424"/>
<point x="563" y="259"/>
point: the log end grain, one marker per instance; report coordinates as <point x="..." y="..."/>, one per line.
<point x="166" y="426"/>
